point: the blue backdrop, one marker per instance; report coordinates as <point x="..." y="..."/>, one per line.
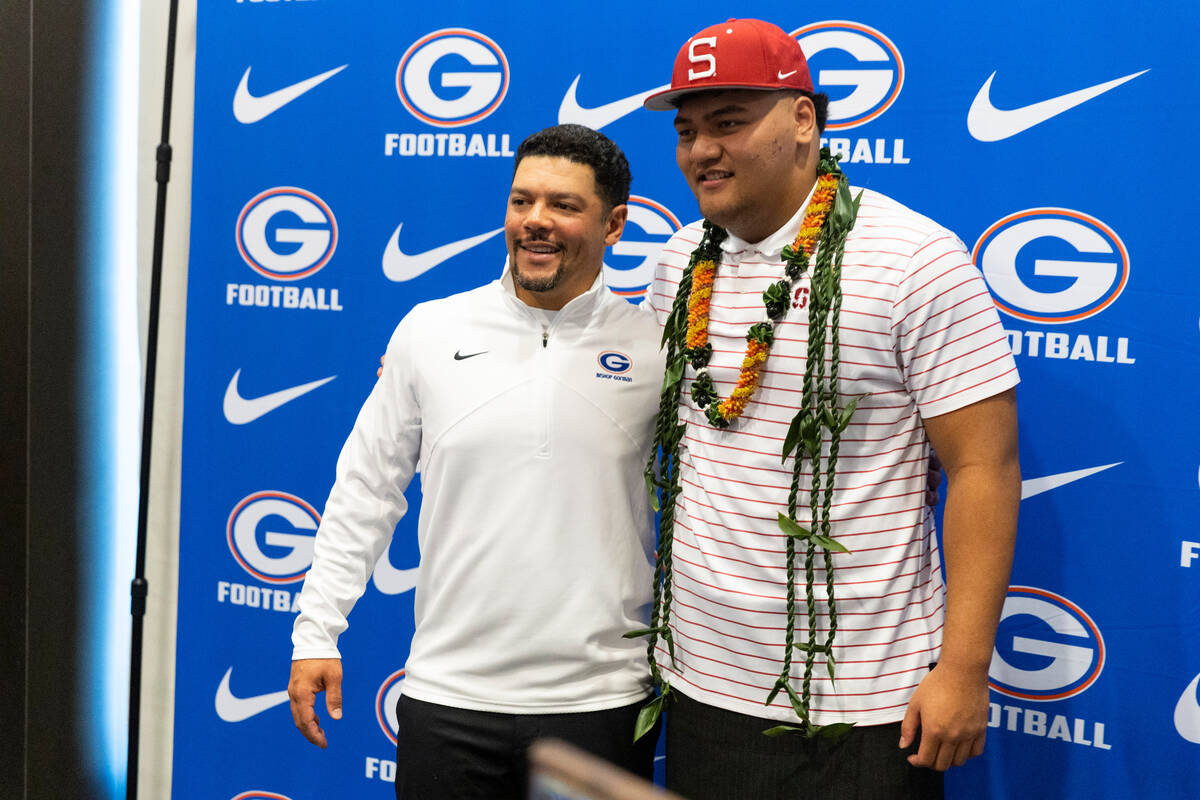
<point x="352" y="160"/>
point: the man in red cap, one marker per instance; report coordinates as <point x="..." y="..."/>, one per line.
<point x="843" y="333"/>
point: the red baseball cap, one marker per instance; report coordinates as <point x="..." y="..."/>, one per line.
<point x="738" y="54"/>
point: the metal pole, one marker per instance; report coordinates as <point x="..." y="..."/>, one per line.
<point x="139" y="588"/>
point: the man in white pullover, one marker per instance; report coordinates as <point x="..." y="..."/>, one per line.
<point x="528" y="405"/>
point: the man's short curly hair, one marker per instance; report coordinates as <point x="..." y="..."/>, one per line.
<point x="583" y="145"/>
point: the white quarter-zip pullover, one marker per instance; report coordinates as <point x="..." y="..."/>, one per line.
<point x="535" y="530"/>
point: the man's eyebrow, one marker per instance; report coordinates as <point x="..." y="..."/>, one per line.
<point x="517" y="190"/>
<point x="731" y="108"/>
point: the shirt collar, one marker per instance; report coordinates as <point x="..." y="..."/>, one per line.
<point x="772" y="246"/>
<point x="581" y="304"/>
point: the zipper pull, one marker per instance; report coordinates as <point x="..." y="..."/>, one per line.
<point x="545" y="336"/>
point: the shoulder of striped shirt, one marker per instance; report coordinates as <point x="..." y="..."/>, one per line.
<point x="673" y="258"/>
<point x="687" y="237"/>
<point x="889" y="225"/>
<point x="884" y="224"/>
<point x="880" y="211"/>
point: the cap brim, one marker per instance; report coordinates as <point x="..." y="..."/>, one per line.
<point x="669" y="100"/>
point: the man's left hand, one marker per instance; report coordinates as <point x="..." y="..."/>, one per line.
<point x="950" y="709"/>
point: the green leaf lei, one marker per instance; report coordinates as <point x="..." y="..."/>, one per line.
<point x="813" y="436"/>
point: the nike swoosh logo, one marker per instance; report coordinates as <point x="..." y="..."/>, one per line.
<point x="458" y="356"/>
<point x="389" y="580"/>
<point x="239" y="410"/>
<point x="248" y="109"/>
<point x="990" y="124"/>
<point x="1035" y="486"/>
<point x="784" y="75"/>
<point x="236" y="709"/>
<point x="1187" y="713"/>
<point x="570" y="112"/>
<point x="400" y="266"/>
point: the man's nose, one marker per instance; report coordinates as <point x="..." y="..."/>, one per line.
<point x="704" y="148"/>
<point x="537" y="218"/>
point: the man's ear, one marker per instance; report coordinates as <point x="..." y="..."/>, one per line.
<point x="616" y="224"/>
<point x="804" y="113"/>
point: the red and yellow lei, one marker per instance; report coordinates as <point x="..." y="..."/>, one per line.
<point x="760" y="337"/>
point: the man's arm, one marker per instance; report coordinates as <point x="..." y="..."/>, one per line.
<point x="367" y="499"/>
<point x="978" y="447"/>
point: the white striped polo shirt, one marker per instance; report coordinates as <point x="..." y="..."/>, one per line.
<point x="920" y="337"/>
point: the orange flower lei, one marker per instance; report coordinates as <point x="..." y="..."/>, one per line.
<point x="698" y="302"/>
<point x="761" y="336"/>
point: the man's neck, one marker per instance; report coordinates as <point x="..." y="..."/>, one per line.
<point x="792" y="202"/>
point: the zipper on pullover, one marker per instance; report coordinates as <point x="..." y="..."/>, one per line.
<point x="543" y="450"/>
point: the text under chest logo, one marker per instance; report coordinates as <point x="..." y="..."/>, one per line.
<point x="614" y="366"/>
<point x="614" y="362"/>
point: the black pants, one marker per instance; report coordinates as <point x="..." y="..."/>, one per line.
<point x="446" y="752"/>
<point x="723" y="755"/>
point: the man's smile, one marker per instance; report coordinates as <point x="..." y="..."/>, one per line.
<point x="539" y="249"/>
<point x="711" y="178"/>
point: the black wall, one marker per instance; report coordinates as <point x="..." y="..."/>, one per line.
<point x="42" y="63"/>
<point x="14" y="379"/>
